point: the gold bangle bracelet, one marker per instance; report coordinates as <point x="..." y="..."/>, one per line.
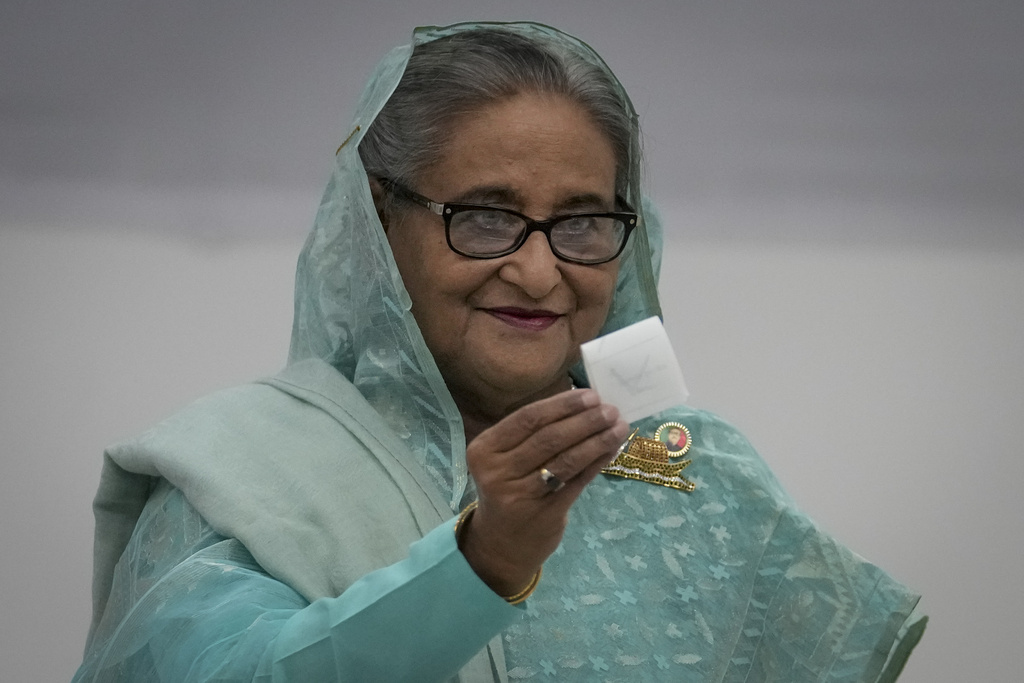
<point x="519" y="597"/>
<point x="526" y="592"/>
<point x="464" y="516"/>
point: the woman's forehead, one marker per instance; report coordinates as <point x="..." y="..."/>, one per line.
<point x="509" y="150"/>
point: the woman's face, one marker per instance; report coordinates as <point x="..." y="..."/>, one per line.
<point x="505" y="331"/>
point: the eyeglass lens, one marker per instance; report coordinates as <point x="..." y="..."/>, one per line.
<point x="581" y="238"/>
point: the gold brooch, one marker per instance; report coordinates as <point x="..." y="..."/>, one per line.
<point x="648" y="459"/>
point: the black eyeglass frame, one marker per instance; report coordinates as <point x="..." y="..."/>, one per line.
<point x="448" y="210"/>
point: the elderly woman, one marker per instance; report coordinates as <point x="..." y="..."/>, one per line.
<point x="483" y="220"/>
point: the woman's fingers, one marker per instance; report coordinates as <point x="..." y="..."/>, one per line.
<point x="563" y="435"/>
<point x="534" y="417"/>
<point x="589" y="455"/>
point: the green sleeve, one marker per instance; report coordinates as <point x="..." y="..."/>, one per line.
<point x="190" y="605"/>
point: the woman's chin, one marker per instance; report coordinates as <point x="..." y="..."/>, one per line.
<point x="510" y="387"/>
<point x="533" y="388"/>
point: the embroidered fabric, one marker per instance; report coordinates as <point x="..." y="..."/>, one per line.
<point x="728" y="583"/>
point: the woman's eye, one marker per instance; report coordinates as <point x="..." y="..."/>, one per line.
<point x="579" y="227"/>
<point x="493" y="221"/>
<point x="581" y="224"/>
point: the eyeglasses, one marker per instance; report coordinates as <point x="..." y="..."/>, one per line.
<point x="486" y="232"/>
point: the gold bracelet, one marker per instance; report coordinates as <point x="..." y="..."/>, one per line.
<point x="519" y="597"/>
<point x="526" y="592"/>
<point x="464" y="516"/>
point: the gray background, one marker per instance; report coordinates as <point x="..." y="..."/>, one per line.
<point x="843" y="188"/>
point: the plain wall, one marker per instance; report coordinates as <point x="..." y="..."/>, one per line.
<point x="881" y="384"/>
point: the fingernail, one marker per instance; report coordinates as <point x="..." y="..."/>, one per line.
<point x="590" y="398"/>
<point x="610" y="412"/>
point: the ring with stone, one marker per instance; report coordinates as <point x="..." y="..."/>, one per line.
<point x="550" y="480"/>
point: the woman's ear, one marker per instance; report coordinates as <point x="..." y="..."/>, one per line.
<point x="379" y="197"/>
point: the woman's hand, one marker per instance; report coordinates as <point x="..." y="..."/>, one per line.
<point x="520" y="520"/>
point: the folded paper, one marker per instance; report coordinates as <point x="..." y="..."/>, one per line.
<point x="635" y="370"/>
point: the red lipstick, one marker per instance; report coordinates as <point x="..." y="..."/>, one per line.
<point x="523" y="318"/>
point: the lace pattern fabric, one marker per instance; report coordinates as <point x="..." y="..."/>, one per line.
<point x="728" y="583"/>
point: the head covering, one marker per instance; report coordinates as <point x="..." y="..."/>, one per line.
<point x="353" y="311"/>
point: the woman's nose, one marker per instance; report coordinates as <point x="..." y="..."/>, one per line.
<point x="533" y="267"/>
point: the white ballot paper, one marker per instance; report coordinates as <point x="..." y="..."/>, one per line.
<point x="635" y="370"/>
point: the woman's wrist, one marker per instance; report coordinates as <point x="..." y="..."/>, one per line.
<point x="508" y="584"/>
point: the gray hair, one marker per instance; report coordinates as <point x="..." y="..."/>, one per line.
<point x="459" y="74"/>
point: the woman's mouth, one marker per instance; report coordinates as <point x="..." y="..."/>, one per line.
<point x="525" y="319"/>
